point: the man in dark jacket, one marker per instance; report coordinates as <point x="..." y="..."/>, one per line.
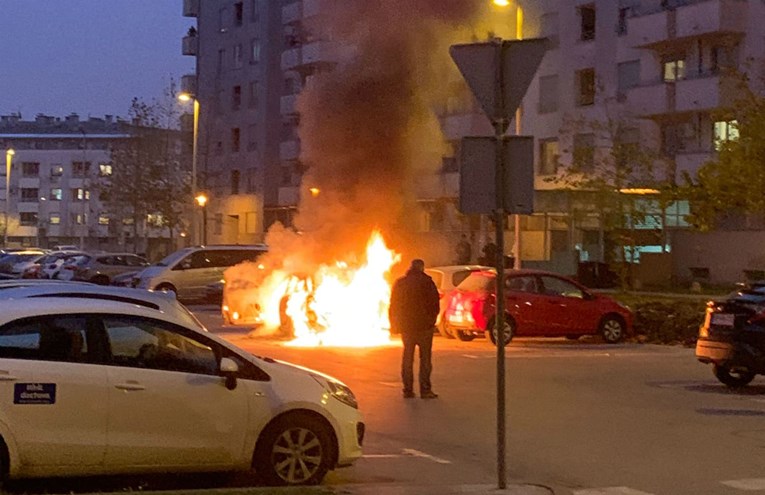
<point x="412" y="312"/>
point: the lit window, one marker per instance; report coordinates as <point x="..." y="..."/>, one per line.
<point x="674" y="70"/>
<point x="725" y="131"/>
<point x="254" y="51"/>
<point x="56" y="194"/>
<point x="56" y="170"/>
<point x="104" y="169"/>
<point x="54" y="219"/>
<point x="103" y="220"/>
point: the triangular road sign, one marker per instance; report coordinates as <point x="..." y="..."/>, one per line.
<point x="499" y="72"/>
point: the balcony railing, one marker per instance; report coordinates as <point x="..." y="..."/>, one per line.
<point x="190" y="8"/>
<point x="190" y="45"/>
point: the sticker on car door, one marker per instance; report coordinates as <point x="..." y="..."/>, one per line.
<point x="34" y="393"/>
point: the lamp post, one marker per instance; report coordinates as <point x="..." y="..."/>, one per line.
<point x="201" y="200"/>
<point x="195" y="143"/>
<point x="8" y="161"/>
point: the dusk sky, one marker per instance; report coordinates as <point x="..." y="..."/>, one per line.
<point x="90" y="57"/>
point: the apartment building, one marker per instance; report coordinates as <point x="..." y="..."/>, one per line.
<point x="659" y="67"/>
<point x="54" y="195"/>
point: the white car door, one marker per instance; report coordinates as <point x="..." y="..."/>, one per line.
<point x="168" y="407"/>
<point x="53" y="395"/>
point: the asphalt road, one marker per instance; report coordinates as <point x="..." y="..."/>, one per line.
<point x="584" y="418"/>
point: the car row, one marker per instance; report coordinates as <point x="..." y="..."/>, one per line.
<point x="79" y="363"/>
<point x="99" y="268"/>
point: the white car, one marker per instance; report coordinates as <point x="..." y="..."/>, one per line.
<point x="110" y="382"/>
<point x="447" y="278"/>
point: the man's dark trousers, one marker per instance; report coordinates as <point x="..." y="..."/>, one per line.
<point x="423" y="340"/>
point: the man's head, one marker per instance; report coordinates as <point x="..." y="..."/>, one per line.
<point x="417" y="265"/>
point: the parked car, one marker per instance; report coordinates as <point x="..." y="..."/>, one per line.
<point x="101" y="268"/>
<point x="537" y="303"/>
<point x="189" y="271"/>
<point x="732" y="337"/>
<point x="9" y="261"/>
<point x="86" y="363"/>
<point x="27" y="268"/>
<point x="447" y="278"/>
<point x="51" y="264"/>
<point x="125" y="279"/>
<point x="70" y="265"/>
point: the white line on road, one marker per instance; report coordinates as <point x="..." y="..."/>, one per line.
<point x="615" y="490"/>
<point x="752" y="484"/>
<point x="470" y="356"/>
<point x="381" y="456"/>
<point x="417" y="453"/>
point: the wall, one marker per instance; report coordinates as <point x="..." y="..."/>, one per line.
<point x="726" y="254"/>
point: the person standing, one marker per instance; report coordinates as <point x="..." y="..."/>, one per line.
<point x="464" y="251"/>
<point x="413" y="310"/>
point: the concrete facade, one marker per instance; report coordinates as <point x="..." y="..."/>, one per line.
<point x="657" y="66"/>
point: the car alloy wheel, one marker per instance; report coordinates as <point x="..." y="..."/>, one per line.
<point x="295" y="450"/>
<point x="508" y="327"/>
<point x="612" y="329"/>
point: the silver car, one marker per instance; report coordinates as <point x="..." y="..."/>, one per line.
<point x="447" y="278"/>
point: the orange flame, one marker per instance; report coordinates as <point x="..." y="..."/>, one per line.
<point x="339" y="305"/>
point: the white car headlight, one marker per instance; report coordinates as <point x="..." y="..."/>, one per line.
<point x="337" y="390"/>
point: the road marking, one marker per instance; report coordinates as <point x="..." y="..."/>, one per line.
<point x="408" y="453"/>
<point x="423" y="455"/>
<point x="471" y="356"/>
<point x="752" y="484"/>
<point x="615" y="490"/>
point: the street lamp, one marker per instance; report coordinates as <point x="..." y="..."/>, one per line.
<point x="201" y="200"/>
<point x="195" y="140"/>
<point x="8" y="160"/>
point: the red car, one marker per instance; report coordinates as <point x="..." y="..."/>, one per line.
<point x="538" y="304"/>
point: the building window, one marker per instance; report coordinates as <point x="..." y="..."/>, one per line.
<point x="104" y="169"/>
<point x="80" y="194"/>
<point x="254" y="51"/>
<point x="548" y="94"/>
<point x="79" y="218"/>
<point x="235" y="140"/>
<point x="584" y="152"/>
<point x="30" y="169"/>
<point x="236" y="98"/>
<point x="154" y="220"/>
<point x="238" y="13"/>
<point x="585" y="81"/>
<point x="80" y="169"/>
<point x="587" y="18"/>
<point x="254" y="10"/>
<point x="621" y="25"/>
<point x="548" y="156"/>
<point x="628" y="74"/>
<point x="724" y="131"/>
<point x="103" y="220"/>
<point x="56" y="170"/>
<point x="221" y="60"/>
<point x="238" y="56"/>
<point x="549" y="28"/>
<point x="252" y="137"/>
<point x="234" y="182"/>
<point x="223" y="20"/>
<point x="252" y="177"/>
<point x="674" y="69"/>
<point x="252" y="97"/>
<point x="28" y="219"/>
<point x="30" y="195"/>
<point x="54" y="218"/>
<point x="56" y="194"/>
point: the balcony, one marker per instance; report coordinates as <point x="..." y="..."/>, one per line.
<point x="690" y="162"/>
<point x="712" y="17"/>
<point x="704" y="93"/>
<point x="190" y="45"/>
<point x="652" y="100"/>
<point x="289" y="150"/>
<point x="310" y="55"/>
<point x="696" y="18"/>
<point x="288" y="105"/>
<point x="292" y="13"/>
<point x="189" y="84"/>
<point x="190" y="8"/>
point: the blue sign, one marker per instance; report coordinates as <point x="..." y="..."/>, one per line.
<point x="34" y="393"/>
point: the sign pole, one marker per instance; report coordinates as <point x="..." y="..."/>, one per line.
<point x="500" y="125"/>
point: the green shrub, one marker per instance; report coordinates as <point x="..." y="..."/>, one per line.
<point x="665" y="320"/>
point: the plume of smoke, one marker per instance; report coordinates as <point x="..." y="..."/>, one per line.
<point x="367" y="127"/>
